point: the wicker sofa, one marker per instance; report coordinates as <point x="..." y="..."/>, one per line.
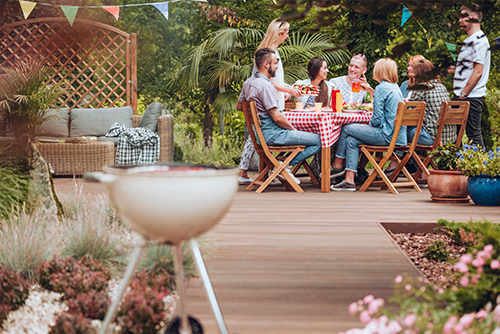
<point x="70" y="154"/>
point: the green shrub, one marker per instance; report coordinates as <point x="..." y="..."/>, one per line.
<point x="437" y="251"/>
<point x="27" y="239"/>
<point x="160" y="258"/>
<point x="90" y="228"/>
<point x="13" y="189"/>
<point x="492" y="103"/>
<point x="463" y="234"/>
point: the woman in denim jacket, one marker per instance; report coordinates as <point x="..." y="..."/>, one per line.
<point x="386" y="97"/>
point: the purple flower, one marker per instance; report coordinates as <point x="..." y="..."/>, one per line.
<point x="470" y="156"/>
<point x="485" y="162"/>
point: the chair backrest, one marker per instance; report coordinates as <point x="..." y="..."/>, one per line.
<point x="409" y="114"/>
<point x="452" y="113"/>
<point x="251" y="125"/>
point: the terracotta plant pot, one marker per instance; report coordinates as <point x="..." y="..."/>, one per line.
<point x="448" y="186"/>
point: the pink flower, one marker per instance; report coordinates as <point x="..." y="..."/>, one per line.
<point x="467" y="319"/>
<point x="475" y="278"/>
<point x="496" y="331"/>
<point x="478" y="262"/>
<point x="365" y="317"/>
<point x="394" y="326"/>
<point x="407" y="287"/>
<point x="482" y="314"/>
<point x="458" y="327"/>
<point x="449" y="324"/>
<point x="495" y="264"/>
<point x="440" y="291"/>
<point x="375" y="305"/>
<point x="442" y="278"/>
<point x="461" y="266"/>
<point x="489" y="249"/>
<point x="426" y="281"/>
<point x="398" y="279"/>
<point x="466" y="258"/>
<point x="353" y="308"/>
<point x="464" y="281"/>
<point x="368" y="299"/>
<point x="496" y="313"/>
<point x="410" y="320"/>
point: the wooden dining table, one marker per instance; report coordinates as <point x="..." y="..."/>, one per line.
<point x="328" y="125"/>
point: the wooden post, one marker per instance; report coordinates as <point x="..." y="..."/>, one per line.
<point x="325" y="169"/>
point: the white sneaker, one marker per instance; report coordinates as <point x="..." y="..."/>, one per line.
<point x="289" y="170"/>
<point x="244" y="180"/>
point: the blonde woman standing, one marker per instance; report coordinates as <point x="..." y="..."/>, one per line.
<point x="276" y="34"/>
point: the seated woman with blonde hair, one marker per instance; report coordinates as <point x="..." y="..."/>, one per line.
<point x="378" y="132"/>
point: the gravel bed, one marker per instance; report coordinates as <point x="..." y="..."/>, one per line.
<point x="439" y="273"/>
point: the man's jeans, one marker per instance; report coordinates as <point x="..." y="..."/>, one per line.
<point x="312" y="141"/>
<point x="473" y="126"/>
<point x="353" y="135"/>
<point x="424" y="139"/>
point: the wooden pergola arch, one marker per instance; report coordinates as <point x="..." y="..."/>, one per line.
<point x="96" y="63"/>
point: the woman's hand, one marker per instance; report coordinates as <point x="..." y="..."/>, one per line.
<point x="365" y="86"/>
<point x="294" y="91"/>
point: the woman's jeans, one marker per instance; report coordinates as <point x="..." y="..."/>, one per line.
<point x="424" y="139"/>
<point x="312" y="141"/>
<point x="351" y="137"/>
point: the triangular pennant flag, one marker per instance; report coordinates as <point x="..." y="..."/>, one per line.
<point x="27" y="7"/>
<point x="453" y="50"/>
<point x="70" y="12"/>
<point x="498" y="40"/>
<point x="406" y="15"/>
<point x="163" y="8"/>
<point x="113" y="10"/>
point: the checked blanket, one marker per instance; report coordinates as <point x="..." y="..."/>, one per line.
<point x="136" y="146"/>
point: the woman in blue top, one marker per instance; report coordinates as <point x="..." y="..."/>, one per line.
<point x="386" y="97"/>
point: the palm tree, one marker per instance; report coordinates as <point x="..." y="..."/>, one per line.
<point x="221" y="64"/>
<point x="24" y="100"/>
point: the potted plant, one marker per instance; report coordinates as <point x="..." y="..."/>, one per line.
<point x="446" y="182"/>
<point x="483" y="170"/>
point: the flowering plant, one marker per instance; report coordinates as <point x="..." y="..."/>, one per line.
<point x="474" y="160"/>
<point x="445" y="157"/>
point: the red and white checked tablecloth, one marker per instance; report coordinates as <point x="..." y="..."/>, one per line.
<point x="327" y="124"/>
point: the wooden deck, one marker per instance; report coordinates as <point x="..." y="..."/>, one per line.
<point x="292" y="263"/>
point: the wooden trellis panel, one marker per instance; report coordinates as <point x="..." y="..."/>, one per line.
<point x="94" y="62"/>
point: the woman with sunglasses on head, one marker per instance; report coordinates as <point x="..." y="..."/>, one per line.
<point x="317" y="70"/>
<point x="355" y="72"/>
<point x="276" y="34"/>
<point x="411" y="77"/>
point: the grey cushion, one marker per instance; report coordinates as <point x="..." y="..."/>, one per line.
<point x="96" y="122"/>
<point x="57" y="126"/>
<point x="111" y="139"/>
<point x="150" y="117"/>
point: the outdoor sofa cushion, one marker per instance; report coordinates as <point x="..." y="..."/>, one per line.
<point x="96" y="122"/>
<point x="150" y="117"/>
<point x="57" y="125"/>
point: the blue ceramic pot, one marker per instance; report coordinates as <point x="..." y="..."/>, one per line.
<point x="484" y="190"/>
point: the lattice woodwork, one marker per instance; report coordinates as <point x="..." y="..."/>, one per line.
<point x="95" y="63"/>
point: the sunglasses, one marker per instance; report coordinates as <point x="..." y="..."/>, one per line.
<point x="282" y="23"/>
<point x="360" y="55"/>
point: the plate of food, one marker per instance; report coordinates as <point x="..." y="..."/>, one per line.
<point x="357" y="107"/>
<point x="307" y="89"/>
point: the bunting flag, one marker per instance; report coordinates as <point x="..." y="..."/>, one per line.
<point x="406" y="15"/>
<point x="452" y="48"/>
<point x="113" y="10"/>
<point x="70" y="12"/>
<point x="27" y="7"/>
<point x="163" y="8"/>
<point x="497" y="40"/>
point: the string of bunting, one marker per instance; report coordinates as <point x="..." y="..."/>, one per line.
<point x="71" y="11"/>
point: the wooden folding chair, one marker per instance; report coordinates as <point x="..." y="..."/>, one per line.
<point x="408" y="114"/>
<point x="267" y="160"/>
<point x="451" y="113"/>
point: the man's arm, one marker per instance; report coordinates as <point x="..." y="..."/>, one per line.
<point x="239" y="106"/>
<point x="281" y="120"/>
<point x="477" y="72"/>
